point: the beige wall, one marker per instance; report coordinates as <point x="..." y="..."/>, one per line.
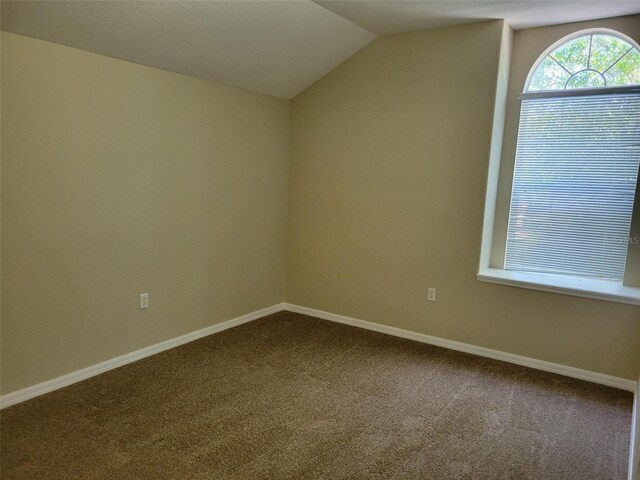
<point x="389" y="157"/>
<point x="119" y="179"/>
<point x="528" y="46"/>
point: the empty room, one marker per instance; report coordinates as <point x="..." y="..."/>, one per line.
<point x="329" y="239"/>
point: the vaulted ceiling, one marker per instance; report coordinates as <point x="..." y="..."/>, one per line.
<point x="277" y="47"/>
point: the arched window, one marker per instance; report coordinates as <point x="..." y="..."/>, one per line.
<point x="577" y="159"/>
<point x="592" y="60"/>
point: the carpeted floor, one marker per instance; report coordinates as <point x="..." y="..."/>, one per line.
<point x="294" y="397"/>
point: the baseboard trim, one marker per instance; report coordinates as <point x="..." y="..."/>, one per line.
<point x="600" y="378"/>
<point x="79" y="375"/>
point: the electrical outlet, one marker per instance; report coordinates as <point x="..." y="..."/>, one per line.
<point x="144" y="300"/>
<point x="431" y="296"/>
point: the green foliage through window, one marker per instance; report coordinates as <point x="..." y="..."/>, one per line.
<point x="589" y="61"/>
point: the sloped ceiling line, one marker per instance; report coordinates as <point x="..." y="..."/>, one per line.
<point x="277" y="47"/>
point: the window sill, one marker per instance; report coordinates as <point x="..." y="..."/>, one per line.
<point x="599" y="290"/>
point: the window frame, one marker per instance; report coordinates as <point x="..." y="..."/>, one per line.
<point x="563" y="284"/>
<point x="567" y="39"/>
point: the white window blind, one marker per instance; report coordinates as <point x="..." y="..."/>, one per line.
<point x="575" y="177"/>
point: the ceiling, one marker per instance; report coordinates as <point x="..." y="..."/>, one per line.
<point x="273" y="47"/>
<point x="385" y="17"/>
<point x="277" y="47"/>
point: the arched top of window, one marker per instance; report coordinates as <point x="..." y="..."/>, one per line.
<point x="594" y="58"/>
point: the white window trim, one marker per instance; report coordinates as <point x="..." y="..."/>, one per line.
<point x="598" y="290"/>
<point x="565" y="285"/>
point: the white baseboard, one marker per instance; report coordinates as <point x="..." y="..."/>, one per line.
<point x="616" y="382"/>
<point x="634" y="451"/>
<point x="79" y="375"/>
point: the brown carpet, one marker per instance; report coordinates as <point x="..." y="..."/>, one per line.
<point x="294" y="397"/>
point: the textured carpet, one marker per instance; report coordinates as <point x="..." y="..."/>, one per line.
<point x="294" y="397"/>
